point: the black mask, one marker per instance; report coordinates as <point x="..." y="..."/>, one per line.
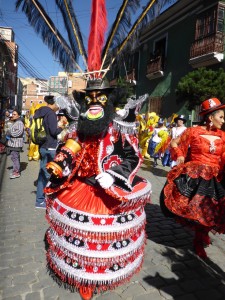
<point x="92" y="128"/>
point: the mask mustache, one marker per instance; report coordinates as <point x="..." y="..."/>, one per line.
<point x="83" y="116"/>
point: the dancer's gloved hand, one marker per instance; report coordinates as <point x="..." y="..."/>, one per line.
<point x="61" y="165"/>
<point x="105" y="180"/>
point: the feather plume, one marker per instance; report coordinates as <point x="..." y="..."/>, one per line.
<point x="120" y="38"/>
<point x="121" y="26"/>
<point x="72" y="27"/>
<point x="153" y="13"/>
<point x="98" y="28"/>
<point x="133" y="29"/>
<point x="44" y="26"/>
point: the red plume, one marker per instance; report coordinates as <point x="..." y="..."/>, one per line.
<point x="97" y="34"/>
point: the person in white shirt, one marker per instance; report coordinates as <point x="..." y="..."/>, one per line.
<point x="176" y="131"/>
<point x="155" y="140"/>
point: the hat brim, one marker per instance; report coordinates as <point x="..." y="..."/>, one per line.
<point x="205" y="112"/>
<point x="99" y="89"/>
<point x="176" y="119"/>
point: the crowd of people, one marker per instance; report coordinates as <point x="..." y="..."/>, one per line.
<point x="88" y="180"/>
<point x="94" y="198"/>
<point x="155" y="134"/>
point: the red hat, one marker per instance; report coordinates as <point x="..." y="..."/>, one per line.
<point x="210" y="105"/>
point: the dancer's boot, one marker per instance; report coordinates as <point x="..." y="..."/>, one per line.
<point x="86" y="293"/>
<point x="206" y="238"/>
<point x="199" y="245"/>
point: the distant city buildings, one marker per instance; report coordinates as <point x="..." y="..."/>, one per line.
<point x="27" y="92"/>
<point x="8" y="68"/>
<point x="33" y="91"/>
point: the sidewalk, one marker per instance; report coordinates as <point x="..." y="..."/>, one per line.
<point x="170" y="270"/>
<point x="2" y="167"/>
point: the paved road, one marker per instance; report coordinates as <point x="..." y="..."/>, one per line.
<point x="170" y="270"/>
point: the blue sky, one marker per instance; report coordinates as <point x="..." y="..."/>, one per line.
<point x="31" y="47"/>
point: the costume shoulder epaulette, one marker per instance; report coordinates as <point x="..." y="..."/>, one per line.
<point x="125" y="119"/>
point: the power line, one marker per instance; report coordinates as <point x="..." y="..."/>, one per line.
<point x="29" y="69"/>
<point x="27" y="47"/>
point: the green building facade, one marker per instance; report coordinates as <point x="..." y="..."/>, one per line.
<point x="188" y="35"/>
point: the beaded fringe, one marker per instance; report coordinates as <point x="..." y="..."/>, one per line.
<point x="73" y="283"/>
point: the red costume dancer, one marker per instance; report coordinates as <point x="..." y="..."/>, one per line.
<point x="193" y="193"/>
<point x="96" y="201"/>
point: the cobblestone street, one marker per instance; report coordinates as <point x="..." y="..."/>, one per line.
<point x="170" y="271"/>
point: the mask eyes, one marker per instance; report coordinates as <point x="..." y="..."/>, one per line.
<point x="101" y="98"/>
<point x="88" y="99"/>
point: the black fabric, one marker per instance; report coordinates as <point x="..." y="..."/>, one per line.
<point x="50" y="125"/>
<point x="189" y="187"/>
<point x="10" y="149"/>
<point x="3" y="140"/>
<point x="164" y="209"/>
<point x="91" y="181"/>
<point x="38" y="133"/>
<point x="129" y="162"/>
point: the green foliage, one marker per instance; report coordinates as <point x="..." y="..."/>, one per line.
<point x="124" y="91"/>
<point x="201" y="84"/>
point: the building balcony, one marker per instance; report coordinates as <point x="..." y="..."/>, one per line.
<point x="207" y="51"/>
<point x="130" y="77"/>
<point x="113" y="82"/>
<point x="155" y="68"/>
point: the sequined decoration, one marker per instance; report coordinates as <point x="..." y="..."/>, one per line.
<point x="212" y="147"/>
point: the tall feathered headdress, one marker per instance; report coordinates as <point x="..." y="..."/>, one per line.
<point x="100" y="54"/>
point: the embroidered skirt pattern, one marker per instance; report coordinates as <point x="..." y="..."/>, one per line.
<point x="101" y="251"/>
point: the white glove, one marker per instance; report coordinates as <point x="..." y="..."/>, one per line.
<point x="66" y="171"/>
<point x="121" y="112"/>
<point x="105" y="180"/>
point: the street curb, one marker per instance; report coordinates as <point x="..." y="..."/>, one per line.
<point x="2" y="168"/>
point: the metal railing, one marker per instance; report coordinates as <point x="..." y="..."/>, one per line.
<point x="209" y="44"/>
<point x="154" y="65"/>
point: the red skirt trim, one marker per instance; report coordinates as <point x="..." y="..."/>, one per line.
<point x="200" y="208"/>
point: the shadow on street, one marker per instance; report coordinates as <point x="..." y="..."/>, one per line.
<point x="190" y="272"/>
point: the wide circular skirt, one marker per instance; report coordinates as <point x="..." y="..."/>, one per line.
<point x="93" y="241"/>
<point x="193" y="193"/>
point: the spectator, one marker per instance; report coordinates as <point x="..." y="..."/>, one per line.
<point x="14" y="136"/>
<point x="48" y="149"/>
<point x="155" y="140"/>
<point x="7" y="121"/>
<point x="177" y="131"/>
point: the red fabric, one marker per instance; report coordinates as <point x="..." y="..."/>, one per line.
<point x="82" y="197"/>
<point x="2" y="148"/>
<point x="165" y="145"/>
<point x="200" y="145"/>
<point x="98" y="29"/>
<point x="203" y="164"/>
<point x="174" y="153"/>
<point x="206" y="211"/>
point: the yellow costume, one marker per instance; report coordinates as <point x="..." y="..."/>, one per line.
<point x="33" y="150"/>
<point x="164" y="136"/>
<point x="147" y="124"/>
<point x="27" y="126"/>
